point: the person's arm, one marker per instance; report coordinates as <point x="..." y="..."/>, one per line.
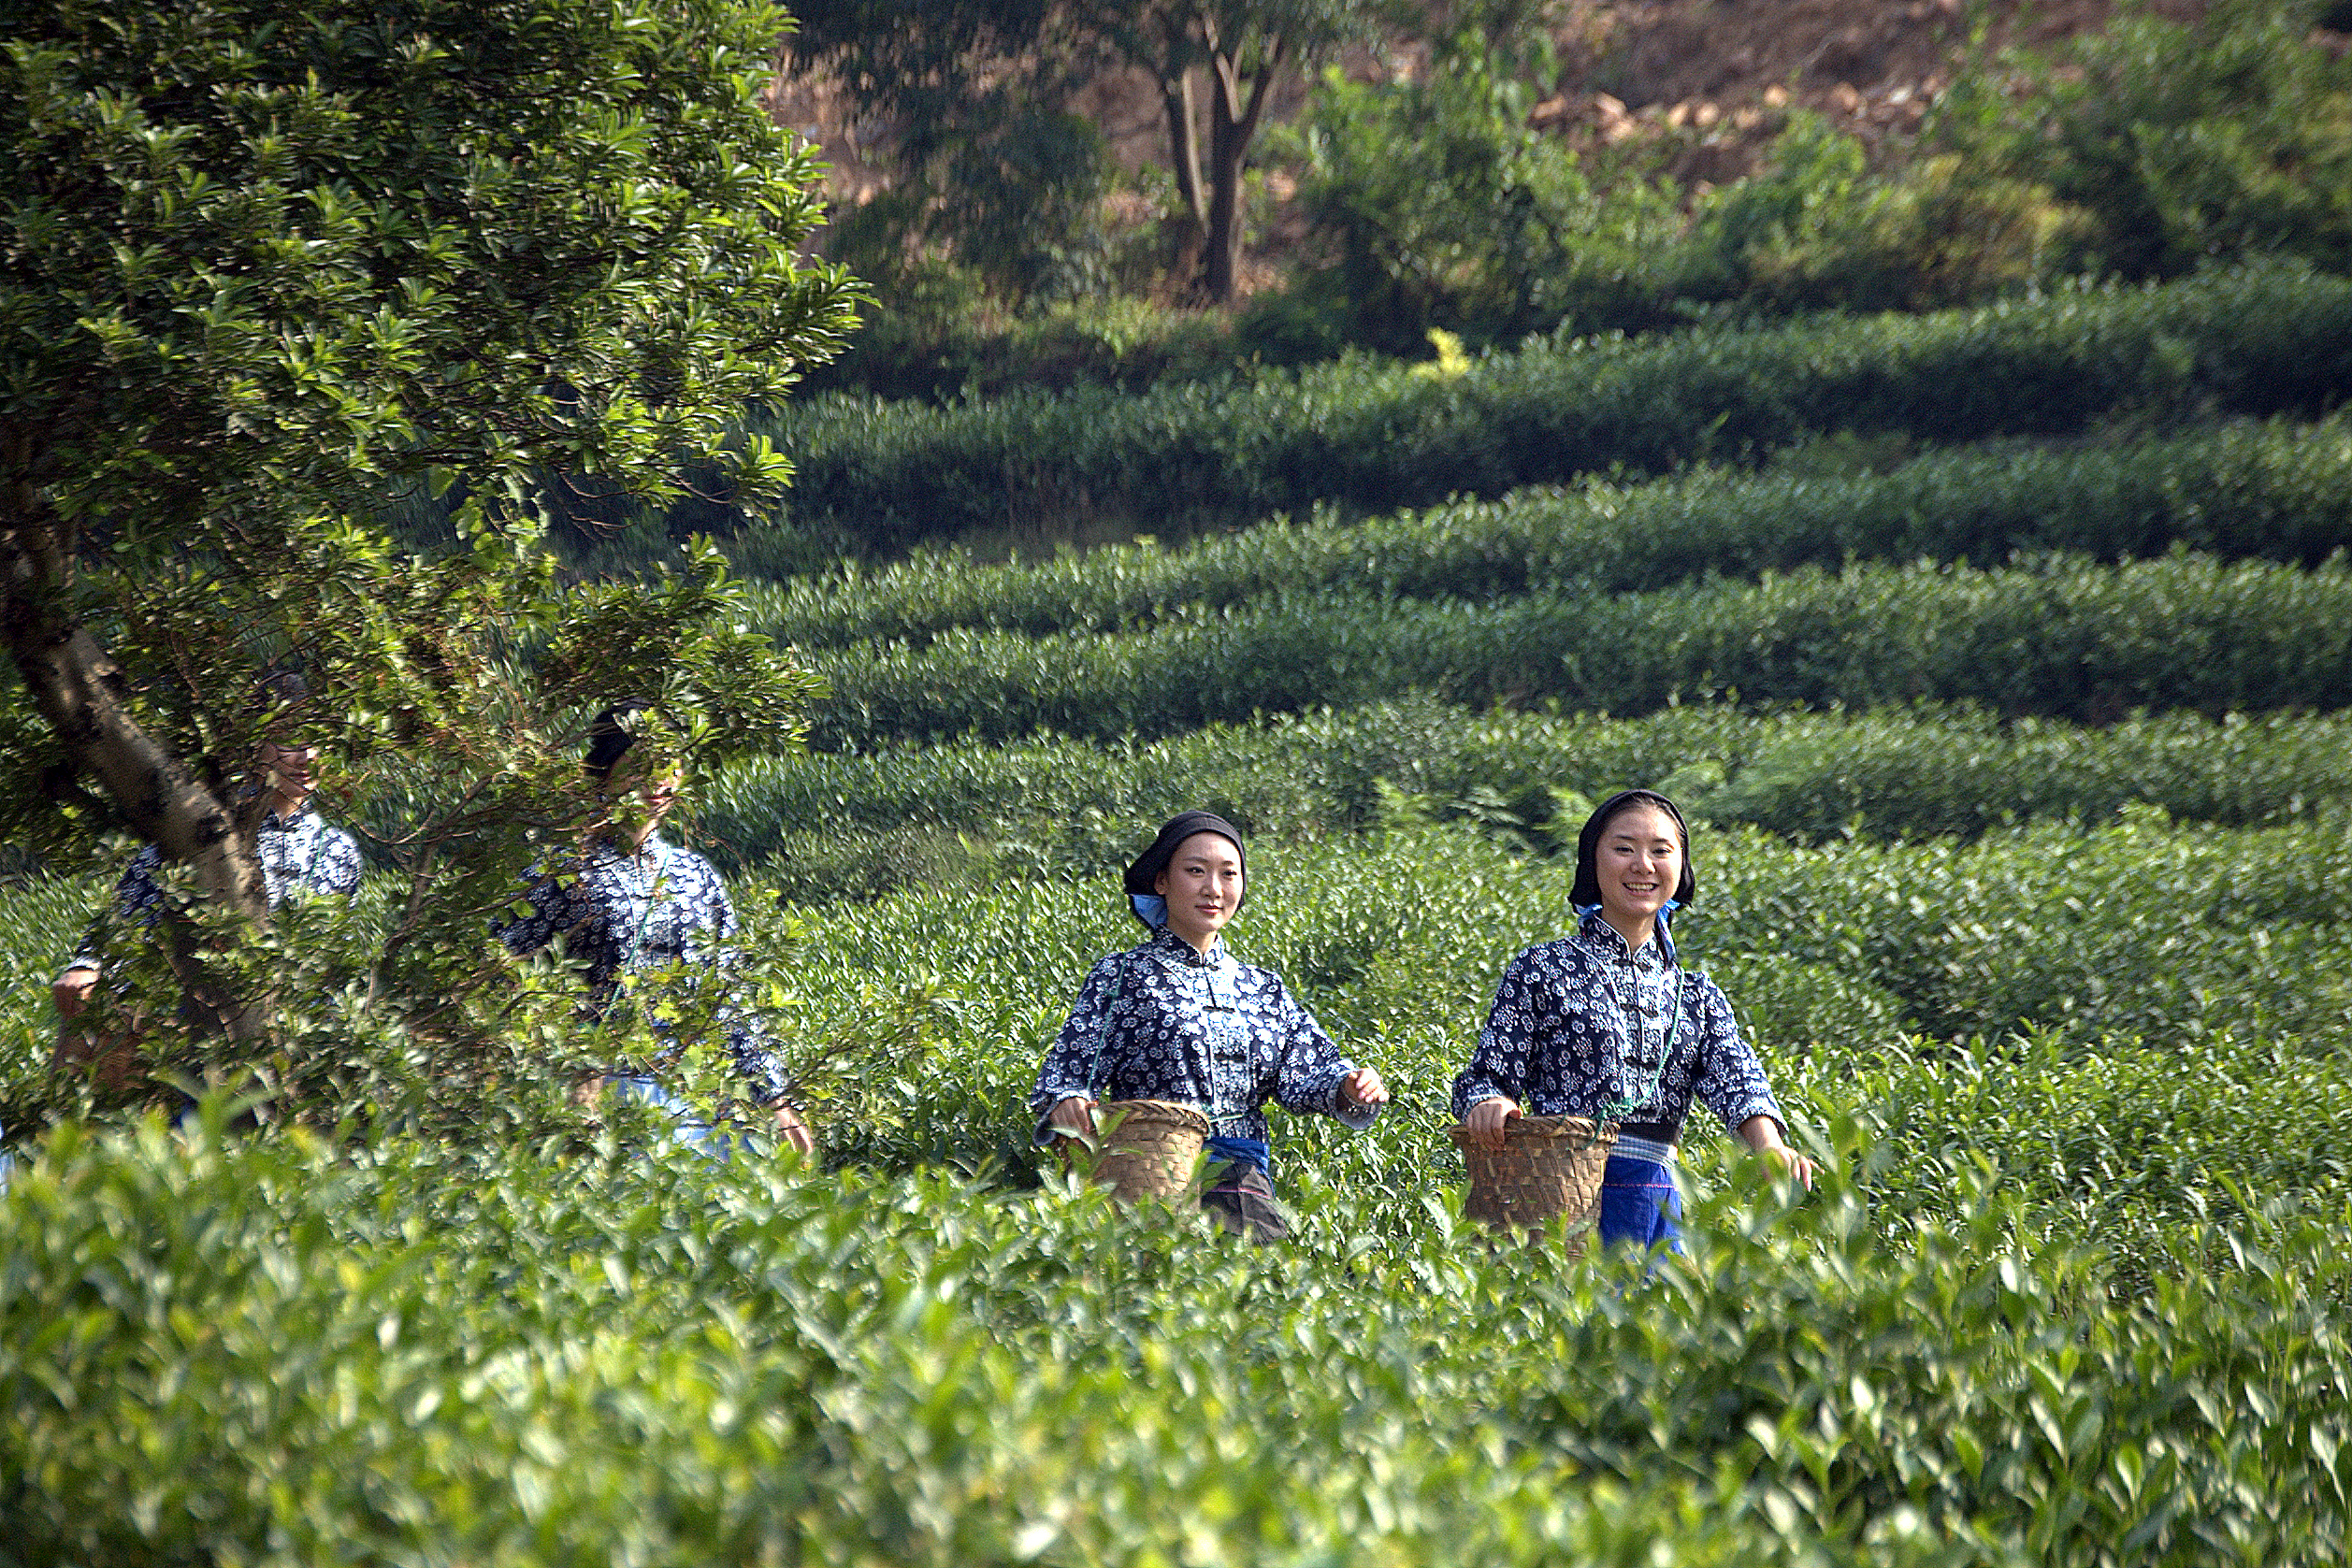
<point x="1486" y="1093"/>
<point x="1763" y="1134"/>
<point x="1731" y="1084"/>
<point x="1311" y="1075"/>
<point x="1075" y="1067"/>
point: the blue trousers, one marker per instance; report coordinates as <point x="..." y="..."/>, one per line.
<point x="1640" y="1204"/>
<point x="687" y="1130"/>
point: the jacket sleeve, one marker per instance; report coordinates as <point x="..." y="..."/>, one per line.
<point x="553" y="910"/>
<point x="135" y="895"/>
<point x="1308" y="1070"/>
<point x="1074" y="1065"/>
<point x="1730" y="1081"/>
<point x="1507" y="1043"/>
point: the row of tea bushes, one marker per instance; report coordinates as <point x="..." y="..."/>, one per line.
<point x="2276" y="491"/>
<point x="2059" y="636"/>
<point x="1378" y="438"/>
<point x="840" y="822"/>
<point x="271" y="1353"/>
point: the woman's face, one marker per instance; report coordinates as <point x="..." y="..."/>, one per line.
<point x="1638" y="864"/>
<point x="1202" y="887"/>
<point x="288" y="772"/>
<point x="639" y="802"/>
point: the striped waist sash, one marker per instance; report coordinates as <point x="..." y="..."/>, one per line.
<point x="1643" y="1148"/>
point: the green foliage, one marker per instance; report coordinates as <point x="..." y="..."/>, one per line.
<point x="263" y="270"/>
<point x="2276" y="492"/>
<point x="1447" y="211"/>
<point x="1377" y="438"/>
<point x="1818" y="229"/>
<point x="2057" y="636"/>
<point x="2181" y="143"/>
<point x="2067" y="1297"/>
<point x="856" y="824"/>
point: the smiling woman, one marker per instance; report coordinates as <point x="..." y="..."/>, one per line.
<point x="1604" y="1024"/>
<point x="1179" y="1019"/>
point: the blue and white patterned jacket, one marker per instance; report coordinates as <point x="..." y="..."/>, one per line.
<point x="1577" y="1026"/>
<point x="1162" y="1021"/>
<point x="623" y="914"/>
<point x="298" y="854"/>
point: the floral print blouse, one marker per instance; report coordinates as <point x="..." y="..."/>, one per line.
<point x="1163" y="1021"/>
<point x="298" y="853"/>
<point x="1585" y="1025"/>
<point x="623" y="914"/>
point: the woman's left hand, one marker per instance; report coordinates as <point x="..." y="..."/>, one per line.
<point x="1763" y="1134"/>
<point x="1363" y="1087"/>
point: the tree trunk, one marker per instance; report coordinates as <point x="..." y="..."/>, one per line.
<point x="1232" y="125"/>
<point x="75" y="685"/>
<point x="1184" y="145"/>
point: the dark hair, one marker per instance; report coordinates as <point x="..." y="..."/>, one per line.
<point x="609" y="739"/>
<point x="1588" y="846"/>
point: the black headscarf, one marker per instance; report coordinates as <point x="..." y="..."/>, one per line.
<point x="1143" y="877"/>
<point x="1588" y="847"/>
<point x="609" y="739"/>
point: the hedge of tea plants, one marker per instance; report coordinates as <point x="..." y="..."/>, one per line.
<point x="2058" y="636"/>
<point x="2276" y="491"/>
<point x="1377" y="438"/>
<point x="2071" y="1294"/>
<point x="859" y="822"/>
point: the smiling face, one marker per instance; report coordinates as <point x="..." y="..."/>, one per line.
<point x="1202" y="887"/>
<point x="640" y="803"/>
<point x="1638" y="864"/>
<point x="287" y="772"/>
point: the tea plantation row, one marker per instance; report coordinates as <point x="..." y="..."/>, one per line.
<point x="843" y="823"/>
<point x="2276" y="490"/>
<point x="1377" y="438"/>
<point x="2061" y="636"/>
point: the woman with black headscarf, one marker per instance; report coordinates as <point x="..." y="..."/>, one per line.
<point x="1179" y="1018"/>
<point x="1605" y="1025"/>
<point x="631" y="902"/>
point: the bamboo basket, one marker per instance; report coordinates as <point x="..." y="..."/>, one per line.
<point x="1150" y="1149"/>
<point x="1549" y="1166"/>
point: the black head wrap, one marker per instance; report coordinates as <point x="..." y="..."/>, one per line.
<point x="1588" y="846"/>
<point x="609" y="739"/>
<point x="1143" y="877"/>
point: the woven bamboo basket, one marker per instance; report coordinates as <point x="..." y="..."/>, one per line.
<point x="1549" y="1166"/>
<point x="1151" y="1148"/>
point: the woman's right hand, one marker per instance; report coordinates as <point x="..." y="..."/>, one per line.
<point x="1485" y="1122"/>
<point x="1074" y="1115"/>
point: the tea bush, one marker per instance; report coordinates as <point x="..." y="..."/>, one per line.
<point x="2059" y="636"/>
<point x="302" y="1357"/>
<point x="1377" y="438"/>
<point x="2276" y="491"/>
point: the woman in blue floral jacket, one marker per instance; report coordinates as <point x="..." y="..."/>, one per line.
<point x="1605" y="1023"/>
<point x="1179" y="1018"/>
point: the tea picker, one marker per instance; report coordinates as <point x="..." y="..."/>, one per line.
<point x="1180" y="1045"/>
<point x="1599" y="1043"/>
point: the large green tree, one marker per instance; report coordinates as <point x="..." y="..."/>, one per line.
<point x="266" y="265"/>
